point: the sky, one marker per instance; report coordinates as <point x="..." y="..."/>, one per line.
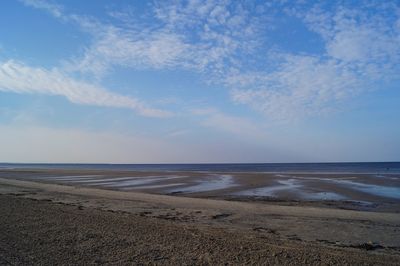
<point x="199" y="81"/>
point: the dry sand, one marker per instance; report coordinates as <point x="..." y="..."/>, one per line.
<point x="52" y="224"/>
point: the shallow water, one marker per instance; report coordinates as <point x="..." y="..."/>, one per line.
<point x="325" y="195"/>
<point x="69" y="177"/>
<point x="213" y="183"/>
<point x="382" y="191"/>
<point x="294" y="186"/>
<point x="156" y="186"/>
<point x="270" y="191"/>
<point x="138" y="181"/>
<point x="105" y="180"/>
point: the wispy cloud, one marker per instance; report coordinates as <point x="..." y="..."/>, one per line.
<point x="20" y="78"/>
<point x="53" y="9"/>
<point x="196" y="36"/>
<point x="178" y="133"/>
<point x="359" y="35"/>
<point x="117" y="48"/>
<point x="302" y="86"/>
<point x="361" y="49"/>
<point x="227" y="42"/>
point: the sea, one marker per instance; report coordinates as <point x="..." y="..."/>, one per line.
<point x="348" y="167"/>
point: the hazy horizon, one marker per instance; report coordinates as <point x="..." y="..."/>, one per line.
<point x="199" y="81"/>
<point x="197" y="163"/>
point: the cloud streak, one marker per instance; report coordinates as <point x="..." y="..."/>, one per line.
<point x="20" y="78"/>
<point x="53" y="9"/>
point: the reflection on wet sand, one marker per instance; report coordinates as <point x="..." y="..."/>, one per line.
<point x="139" y="181"/>
<point x="310" y="187"/>
<point x="270" y="191"/>
<point x="291" y="186"/>
<point x="382" y="191"/>
<point x="215" y="182"/>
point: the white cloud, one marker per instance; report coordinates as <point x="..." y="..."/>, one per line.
<point x="362" y="49"/>
<point x="194" y="36"/>
<point x="19" y="78"/>
<point x="303" y="86"/>
<point x="358" y="35"/>
<point x="53" y="9"/>
<point x="116" y="47"/>
<point x="227" y="42"/>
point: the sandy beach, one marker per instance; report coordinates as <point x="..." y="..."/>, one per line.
<point x="53" y="222"/>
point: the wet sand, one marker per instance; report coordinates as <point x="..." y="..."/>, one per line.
<point x="369" y="192"/>
<point x="54" y="223"/>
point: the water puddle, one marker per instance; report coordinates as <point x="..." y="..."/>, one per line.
<point x="284" y="176"/>
<point x="382" y="191"/>
<point x="213" y="183"/>
<point x="105" y="180"/>
<point x="387" y="177"/>
<point x="322" y="196"/>
<point x="137" y="181"/>
<point x="291" y="185"/>
<point x="157" y="186"/>
<point x="69" y="177"/>
<point x="270" y="191"/>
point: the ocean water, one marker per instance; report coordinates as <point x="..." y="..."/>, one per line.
<point x="367" y="167"/>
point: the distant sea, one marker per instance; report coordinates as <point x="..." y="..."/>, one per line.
<point x="367" y="167"/>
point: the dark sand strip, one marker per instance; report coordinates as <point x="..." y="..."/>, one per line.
<point x="185" y="202"/>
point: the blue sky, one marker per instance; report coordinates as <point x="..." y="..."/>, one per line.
<point x="199" y="81"/>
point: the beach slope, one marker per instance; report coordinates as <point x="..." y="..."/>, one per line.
<point x="58" y="224"/>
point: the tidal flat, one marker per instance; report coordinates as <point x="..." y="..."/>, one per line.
<point x="179" y="217"/>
